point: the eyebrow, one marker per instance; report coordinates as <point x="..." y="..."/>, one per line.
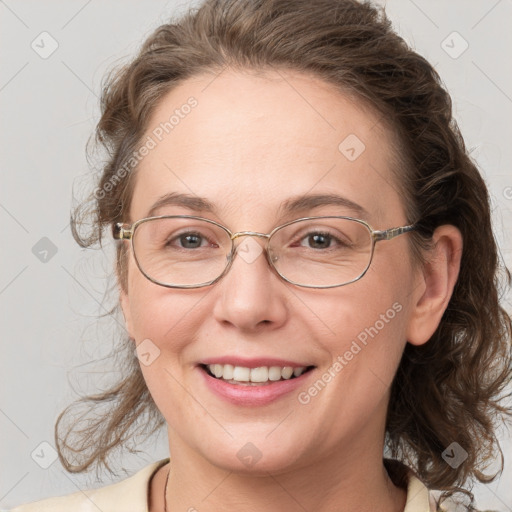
<point x="194" y="203"/>
<point x="310" y="201"/>
<point x="293" y="205"/>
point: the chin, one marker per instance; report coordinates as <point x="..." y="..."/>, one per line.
<point x="258" y="457"/>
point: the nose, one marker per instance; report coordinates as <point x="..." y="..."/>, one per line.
<point x="251" y="295"/>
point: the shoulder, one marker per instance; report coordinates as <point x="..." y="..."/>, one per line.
<point x="128" y="495"/>
<point x="419" y="497"/>
<point x="422" y="499"/>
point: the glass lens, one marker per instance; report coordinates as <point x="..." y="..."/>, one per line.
<point x="321" y="252"/>
<point x="181" y="251"/>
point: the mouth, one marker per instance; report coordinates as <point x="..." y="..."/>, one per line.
<point x="260" y="376"/>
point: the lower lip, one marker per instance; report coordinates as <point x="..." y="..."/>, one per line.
<point x="240" y="394"/>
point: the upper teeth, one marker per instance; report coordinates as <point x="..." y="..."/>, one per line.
<point x="260" y="374"/>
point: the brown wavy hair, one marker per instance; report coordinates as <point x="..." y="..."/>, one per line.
<point x="449" y="389"/>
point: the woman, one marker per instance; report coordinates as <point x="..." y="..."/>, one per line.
<point x="306" y="271"/>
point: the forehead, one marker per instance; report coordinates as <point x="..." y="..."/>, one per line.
<point x="249" y="142"/>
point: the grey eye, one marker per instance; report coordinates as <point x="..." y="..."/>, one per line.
<point x="190" y="240"/>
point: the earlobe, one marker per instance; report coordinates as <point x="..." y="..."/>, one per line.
<point x="436" y="283"/>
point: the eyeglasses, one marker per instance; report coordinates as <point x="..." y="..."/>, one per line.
<point x="183" y="251"/>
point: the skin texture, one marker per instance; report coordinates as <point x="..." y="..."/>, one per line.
<point x="252" y="142"/>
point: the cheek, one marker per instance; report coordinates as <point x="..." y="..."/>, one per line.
<point x="368" y="322"/>
<point x="374" y="303"/>
<point x="163" y="314"/>
<point x="165" y="323"/>
<point x="383" y="310"/>
<point x="165" y="320"/>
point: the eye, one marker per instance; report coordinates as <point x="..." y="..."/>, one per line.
<point x="189" y="240"/>
<point x="317" y="240"/>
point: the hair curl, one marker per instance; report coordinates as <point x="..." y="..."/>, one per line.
<point x="461" y="374"/>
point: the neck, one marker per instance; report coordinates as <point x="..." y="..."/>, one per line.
<point x="351" y="479"/>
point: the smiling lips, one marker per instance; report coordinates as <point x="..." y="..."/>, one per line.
<point x="252" y="382"/>
<point x="235" y="370"/>
<point x="260" y="375"/>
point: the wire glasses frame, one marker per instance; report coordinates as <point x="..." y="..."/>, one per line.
<point x="121" y="231"/>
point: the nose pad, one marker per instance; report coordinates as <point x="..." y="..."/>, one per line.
<point x="272" y="256"/>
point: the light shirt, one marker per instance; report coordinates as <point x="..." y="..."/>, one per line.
<point x="131" y="495"/>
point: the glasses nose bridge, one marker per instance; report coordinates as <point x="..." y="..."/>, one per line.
<point x="249" y="233"/>
<point x="240" y="234"/>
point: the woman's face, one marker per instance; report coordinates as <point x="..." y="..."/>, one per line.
<point x="248" y="144"/>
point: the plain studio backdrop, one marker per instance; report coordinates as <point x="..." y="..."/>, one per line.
<point x="53" y="56"/>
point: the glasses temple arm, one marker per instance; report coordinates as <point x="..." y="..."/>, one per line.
<point x="389" y="234"/>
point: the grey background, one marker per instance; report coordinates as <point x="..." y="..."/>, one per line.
<point x="48" y="110"/>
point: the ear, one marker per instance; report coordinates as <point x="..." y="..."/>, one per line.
<point x="435" y="284"/>
<point x="124" y="299"/>
<point x="122" y="286"/>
